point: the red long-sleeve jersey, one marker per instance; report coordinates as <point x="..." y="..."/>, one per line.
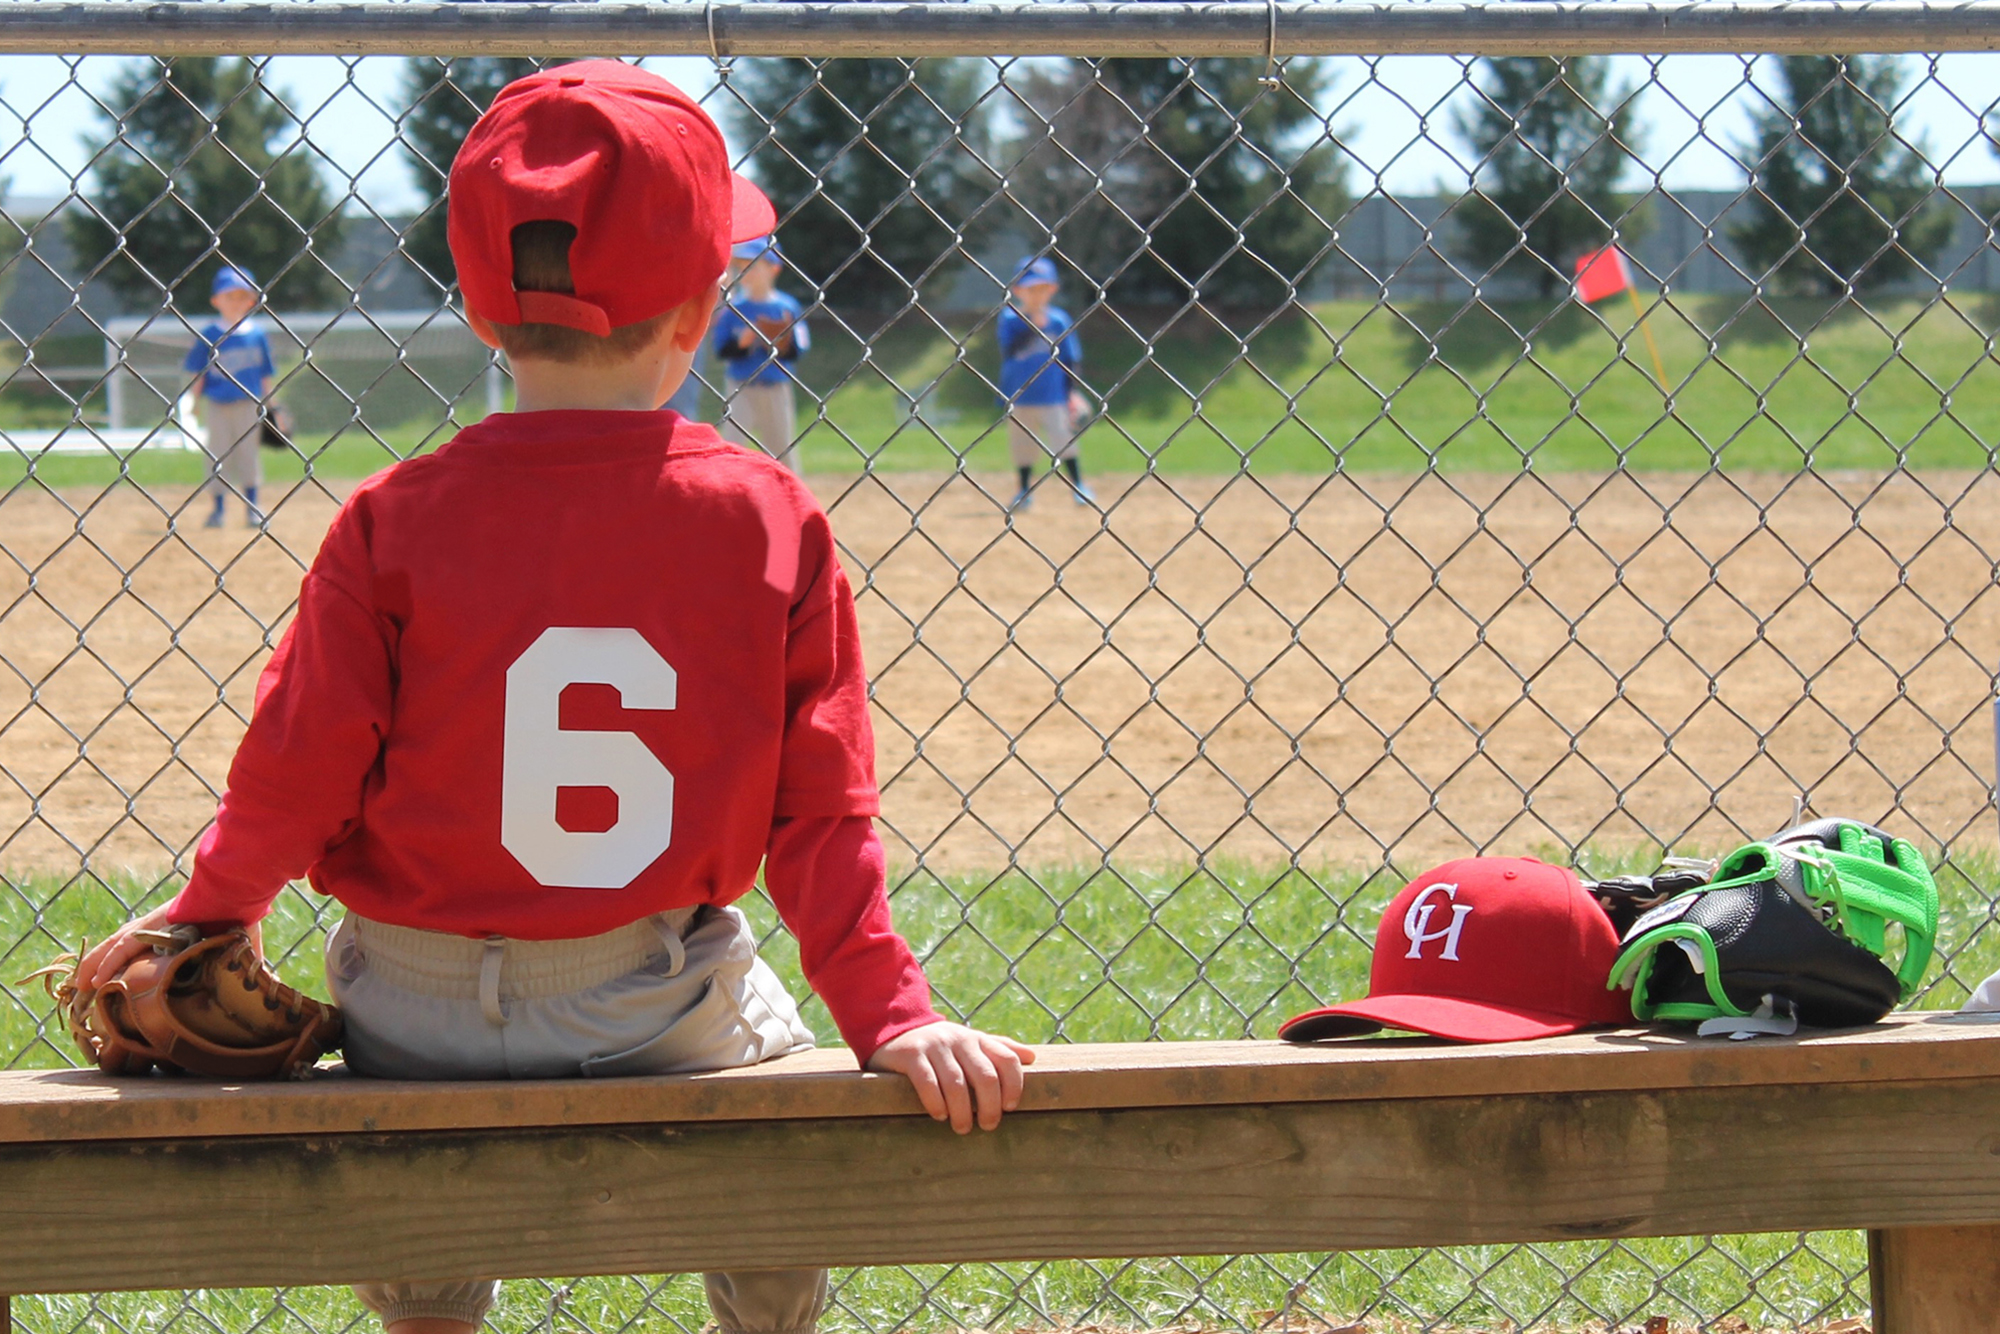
<point x="572" y="669"/>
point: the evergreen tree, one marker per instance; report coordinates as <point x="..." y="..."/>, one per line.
<point x="876" y="167"/>
<point x="188" y="179"/>
<point x="1156" y="178"/>
<point x="1552" y="140"/>
<point x="1838" y="201"/>
<point x="441" y="100"/>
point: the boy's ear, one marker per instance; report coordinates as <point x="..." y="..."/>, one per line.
<point x="482" y="330"/>
<point x="691" y="321"/>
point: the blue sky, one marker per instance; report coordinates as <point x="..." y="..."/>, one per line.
<point x="1395" y="115"/>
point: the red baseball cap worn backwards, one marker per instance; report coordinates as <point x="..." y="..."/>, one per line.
<point x="630" y="161"/>
<point x="1488" y="949"/>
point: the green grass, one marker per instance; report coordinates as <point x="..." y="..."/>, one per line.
<point x="1059" y="954"/>
<point x="1374" y="389"/>
<point x="347" y="454"/>
<point x="1766" y="1280"/>
<point x="1082" y="954"/>
<point x="1355" y="386"/>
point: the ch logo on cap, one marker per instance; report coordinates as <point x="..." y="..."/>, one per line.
<point x="1417" y="922"/>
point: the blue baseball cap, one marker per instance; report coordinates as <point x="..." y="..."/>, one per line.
<point x="229" y="278"/>
<point x="764" y="247"/>
<point x="1040" y="269"/>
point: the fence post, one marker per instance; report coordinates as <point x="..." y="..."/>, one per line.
<point x="114" y="409"/>
<point x="496" y="386"/>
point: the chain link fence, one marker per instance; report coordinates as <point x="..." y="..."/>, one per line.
<point x="1383" y="545"/>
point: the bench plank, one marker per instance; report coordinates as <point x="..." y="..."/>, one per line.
<point x="1333" y="1174"/>
<point x="69" y="1105"/>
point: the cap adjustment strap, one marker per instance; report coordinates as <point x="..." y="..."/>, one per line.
<point x="556" y="308"/>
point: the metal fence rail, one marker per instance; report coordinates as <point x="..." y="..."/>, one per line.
<point x="1009" y="28"/>
<point x="1393" y="550"/>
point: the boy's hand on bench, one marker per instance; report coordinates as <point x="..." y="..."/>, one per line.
<point x="960" y="1074"/>
<point x="109" y="956"/>
<point x="112" y="953"/>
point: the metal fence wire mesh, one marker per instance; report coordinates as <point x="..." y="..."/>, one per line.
<point x="1384" y="546"/>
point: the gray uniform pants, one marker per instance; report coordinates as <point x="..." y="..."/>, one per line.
<point x="763" y="416"/>
<point x="676" y="993"/>
<point x="1039" y="433"/>
<point x="235" y="463"/>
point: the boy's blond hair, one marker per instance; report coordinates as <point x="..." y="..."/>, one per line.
<point x="541" y="264"/>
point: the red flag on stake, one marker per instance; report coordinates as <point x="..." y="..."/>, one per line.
<point x="1603" y="273"/>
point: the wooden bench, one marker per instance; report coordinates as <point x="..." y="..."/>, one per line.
<point x="1131" y="1150"/>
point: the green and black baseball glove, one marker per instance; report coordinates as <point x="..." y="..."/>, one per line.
<point x="1794" y="929"/>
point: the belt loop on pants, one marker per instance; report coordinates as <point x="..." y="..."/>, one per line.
<point x="489" y="980"/>
<point x="670" y="936"/>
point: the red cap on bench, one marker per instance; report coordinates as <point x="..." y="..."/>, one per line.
<point x="1488" y="949"/>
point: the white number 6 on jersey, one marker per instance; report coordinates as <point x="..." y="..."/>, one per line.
<point x="539" y="756"/>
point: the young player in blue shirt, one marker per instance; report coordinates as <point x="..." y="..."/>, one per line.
<point x="1039" y="357"/>
<point x="232" y="357"/>
<point x="759" y="334"/>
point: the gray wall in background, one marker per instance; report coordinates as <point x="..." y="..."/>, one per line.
<point x="1400" y="247"/>
<point x="44" y="293"/>
<point x="1404" y="246"/>
<point x="47" y="296"/>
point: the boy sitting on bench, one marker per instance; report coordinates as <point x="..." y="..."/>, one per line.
<point x="555" y="690"/>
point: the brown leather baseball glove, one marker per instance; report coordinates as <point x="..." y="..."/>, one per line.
<point x="778" y="331"/>
<point x="205" y="1006"/>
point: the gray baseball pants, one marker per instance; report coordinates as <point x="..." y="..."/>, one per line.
<point x="234" y="429"/>
<point x="672" y="994"/>
<point x="1039" y="433"/>
<point x="763" y="416"/>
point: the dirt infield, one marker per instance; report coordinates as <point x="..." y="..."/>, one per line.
<point x="1261" y="669"/>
